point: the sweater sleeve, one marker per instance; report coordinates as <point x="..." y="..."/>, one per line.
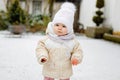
<point x="41" y="51"/>
<point x="77" y="52"/>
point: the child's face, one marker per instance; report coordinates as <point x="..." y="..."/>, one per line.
<point x="60" y="29"/>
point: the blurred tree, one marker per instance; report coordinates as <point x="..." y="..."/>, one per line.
<point x="8" y="3"/>
<point x="51" y="5"/>
<point x="27" y="4"/>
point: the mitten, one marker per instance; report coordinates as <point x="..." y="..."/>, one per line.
<point x="74" y="61"/>
<point x="43" y="60"/>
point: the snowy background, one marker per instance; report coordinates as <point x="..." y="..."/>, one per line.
<point x="18" y="61"/>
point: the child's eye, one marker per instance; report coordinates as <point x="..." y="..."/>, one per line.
<point x="56" y="24"/>
<point x="64" y="26"/>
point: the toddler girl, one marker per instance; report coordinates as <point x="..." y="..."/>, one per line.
<point x="59" y="49"/>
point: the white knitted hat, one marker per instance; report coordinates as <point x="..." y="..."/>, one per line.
<point x="65" y="16"/>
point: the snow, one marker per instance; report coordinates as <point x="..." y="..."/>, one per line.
<point x="18" y="61"/>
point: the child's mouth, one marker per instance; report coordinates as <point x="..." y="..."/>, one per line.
<point x="59" y="32"/>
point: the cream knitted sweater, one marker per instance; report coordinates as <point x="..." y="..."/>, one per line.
<point x="58" y="55"/>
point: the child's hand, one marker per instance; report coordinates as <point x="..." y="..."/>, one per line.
<point x="43" y="60"/>
<point x="74" y="61"/>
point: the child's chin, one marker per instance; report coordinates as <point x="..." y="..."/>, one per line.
<point x="61" y="35"/>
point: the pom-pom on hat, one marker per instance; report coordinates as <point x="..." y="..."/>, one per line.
<point x="65" y="16"/>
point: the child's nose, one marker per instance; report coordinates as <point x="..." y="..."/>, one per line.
<point x="60" y="27"/>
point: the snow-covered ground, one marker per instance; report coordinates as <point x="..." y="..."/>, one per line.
<point x="18" y="61"/>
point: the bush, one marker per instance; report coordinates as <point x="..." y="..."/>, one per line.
<point x="3" y="21"/>
<point x="35" y="20"/>
<point x="16" y="15"/>
<point x="39" y="22"/>
<point x="98" y="19"/>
